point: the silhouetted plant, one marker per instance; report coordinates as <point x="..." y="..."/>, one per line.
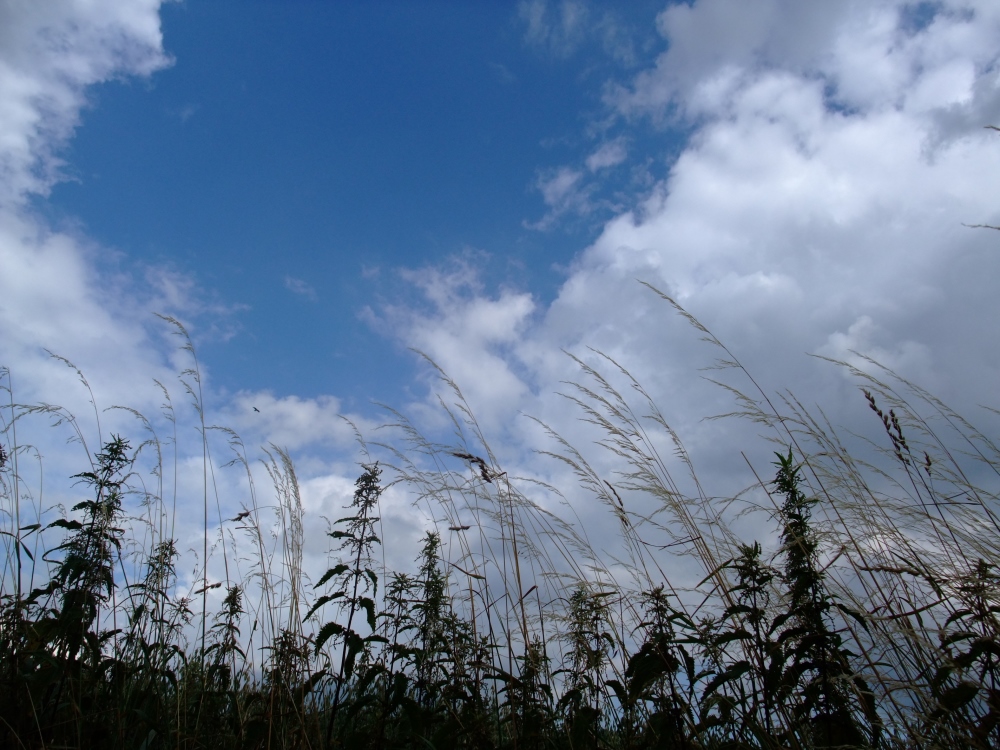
<point x="589" y="645"/>
<point x="355" y="584"/>
<point x="818" y="681"/>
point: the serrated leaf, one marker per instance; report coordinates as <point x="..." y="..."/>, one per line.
<point x="619" y="690"/>
<point x="354" y="646"/>
<point x="323" y="600"/>
<point x="327" y="632"/>
<point x="336" y="570"/>
<point x="958" y="615"/>
<point x="734" y="635"/>
<point x="736" y="671"/>
<point x="369" y="607"/>
<point x="64" y="523"/>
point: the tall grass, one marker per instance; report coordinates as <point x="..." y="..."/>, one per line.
<point x="866" y="618"/>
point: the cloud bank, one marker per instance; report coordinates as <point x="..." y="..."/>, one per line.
<point x="836" y="153"/>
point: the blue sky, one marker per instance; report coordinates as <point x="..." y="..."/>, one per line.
<point x="316" y="189"/>
<point x="294" y="154"/>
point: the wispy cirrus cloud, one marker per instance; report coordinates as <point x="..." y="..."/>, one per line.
<point x="565" y="192"/>
<point x="563" y="27"/>
<point x="300" y="288"/>
<point x="609" y="154"/>
<point x="573" y="191"/>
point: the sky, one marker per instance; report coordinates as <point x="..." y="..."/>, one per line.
<point x="322" y="193"/>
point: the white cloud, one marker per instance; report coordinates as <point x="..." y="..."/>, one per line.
<point x="608" y="155"/>
<point x="857" y="210"/>
<point x="866" y="54"/>
<point x="863" y="336"/>
<point x="502" y="74"/>
<point x="186" y="111"/>
<point x="49" y="53"/>
<point x="560" y="188"/>
<point x="290" y="422"/>
<point x="817" y="208"/>
<point x="470" y="335"/>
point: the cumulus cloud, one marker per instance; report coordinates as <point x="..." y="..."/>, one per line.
<point x="870" y="56"/>
<point x="290" y="422"/>
<point x="835" y="152"/>
<point x="49" y="53"/>
<point x="820" y="188"/>
<point x="469" y="334"/>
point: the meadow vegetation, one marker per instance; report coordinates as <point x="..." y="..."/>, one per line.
<point x="866" y="617"/>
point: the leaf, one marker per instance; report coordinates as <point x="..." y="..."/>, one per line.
<point x="646" y="666"/>
<point x="63" y="523"/>
<point x="323" y="600"/>
<point x="960" y="635"/>
<point x="734" y="635"/>
<point x="369" y="607"/>
<point x="571" y="697"/>
<point x="334" y="571"/>
<point x="958" y="696"/>
<point x="737" y="609"/>
<point x="736" y="671"/>
<point x="958" y="615"/>
<point x="715" y="572"/>
<point x="305" y="688"/>
<point x="620" y="693"/>
<point x="21" y="543"/>
<point x="854" y="614"/>
<point x="689" y="665"/>
<point x="326" y="632"/>
<point x="354" y="646"/>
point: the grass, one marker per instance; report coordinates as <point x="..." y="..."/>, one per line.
<point x="866" y="618"/>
